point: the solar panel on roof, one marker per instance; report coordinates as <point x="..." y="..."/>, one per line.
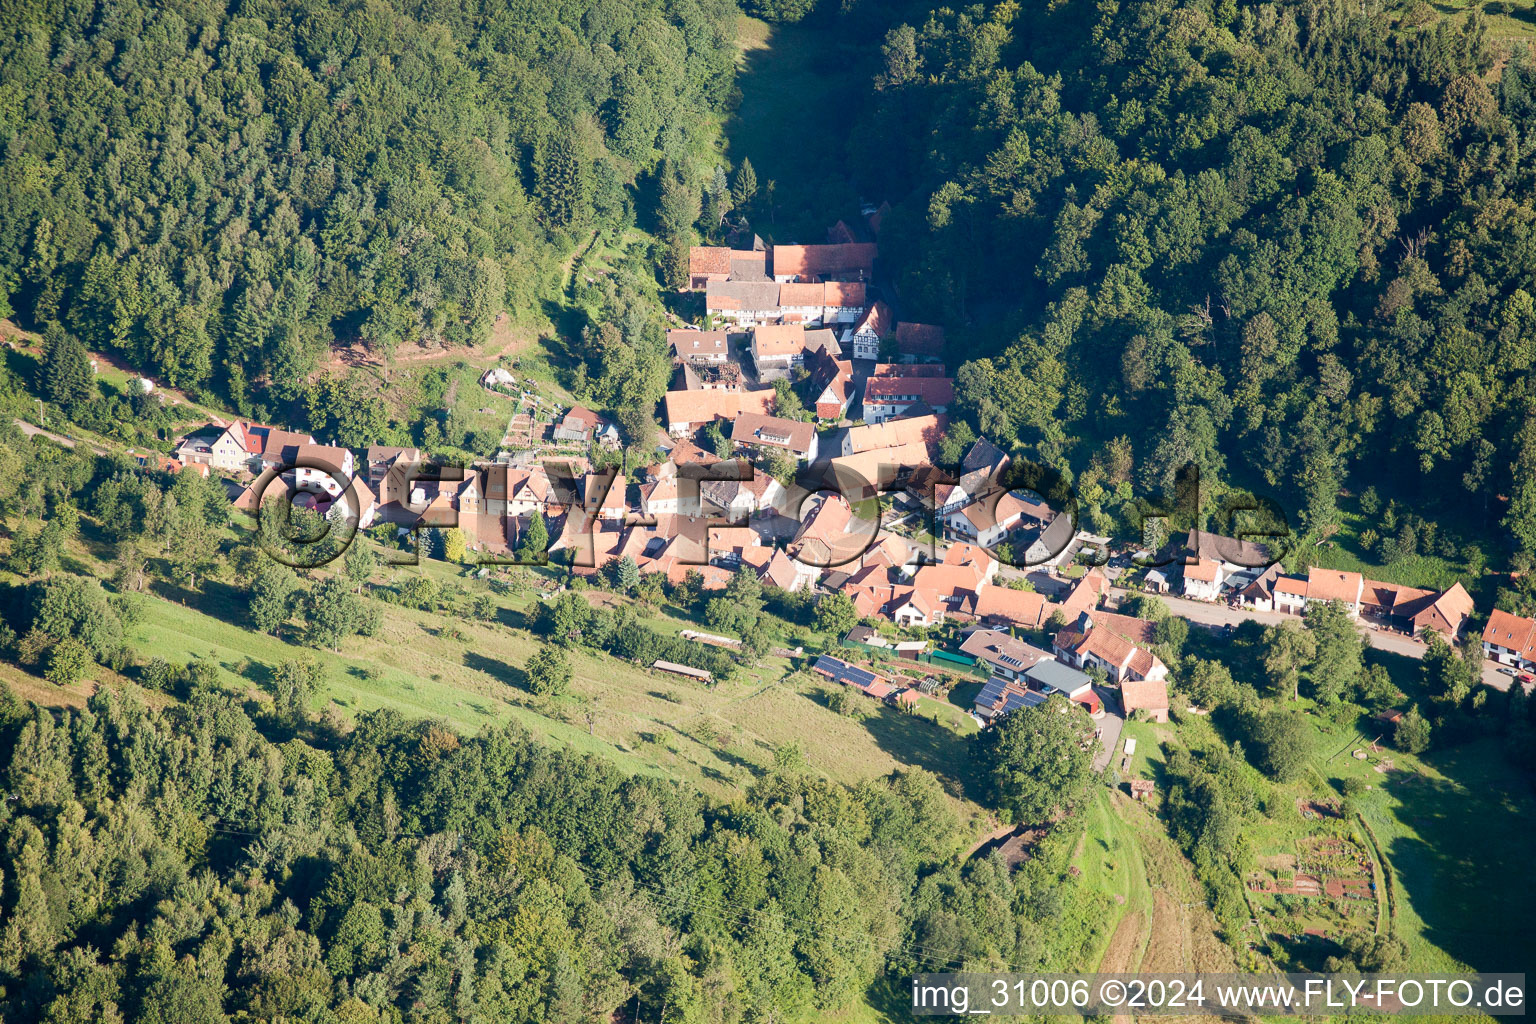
<point x="1011" y="660"/>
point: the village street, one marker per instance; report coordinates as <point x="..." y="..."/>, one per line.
<point x="1218" y="615"/>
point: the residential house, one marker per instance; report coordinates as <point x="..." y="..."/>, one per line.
<point x="1255" y="589"/>
<point x="1004" y="606"/>
<point x="1001" y="697"/>
<point x="777" y="348"/>
<point x="1510" y="640"/>
<point x="878" y="470"/>
<point x="709" y="377"/>
<point x="888" y="397"/>
<point x="1119" y="644"/>
<point x="756" y="430"/>
<point x="912" y="606"/>
<point x="1008" y="657"/>
<point x="700" y="346"/>
<point x="687" y="411"/>
<point x="874" y="324"/>
<point x="849" y="261"/>
<point x="988" y="522"/>
<point x="319" y="468"/>
<point x="1413" y="610"/>
<point x="1203" y="579"/>
<point x="232" y="448"/>
<point x="1232" y="552"/>
<point x="743" y="303"/>
<point x="834" y="389"/>
<point x="1085" y="594"/>
<point x="1045" y="540"/>
<point x="802" y="303"/>
<point x="920" y="342"/>
<point x="715" y="263"/>
<point x="892" y="433"/>
<point x="1320" y="586"/>
<point x="390" y="469"/>
<point x="1052" y="677"/>
<point x="738" y="498"/>
<point x="829" y="536"/>
<point x="603" y="496"/>
<point x="278" y="448"/>
<point x="1290" y="594"/>
<point x="821" y="343"/>
<point x="844" y="302"/>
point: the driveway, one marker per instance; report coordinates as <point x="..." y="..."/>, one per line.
<point x="1109" y="727"/>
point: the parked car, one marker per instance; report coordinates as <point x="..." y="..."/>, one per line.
<point x="1526" y="677"/>
<point x="1507" y="671"/>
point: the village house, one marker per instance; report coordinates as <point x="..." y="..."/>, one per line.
<point x="1295" y="596"/>
<point x="390" y="470"/>
<point x="777" y="348"/>
<point x="1008" y="657"/>
<point x="1149" y="695"/>
<point x="822" y="302"/>
<point x="737" y="499"/>
<point x="1510" y="640"/>
<point x="235" y="448"/>
<point x="984" y="522"/>
<point x="888" y="397"/>
<point x="978" y="477"/>
<point x="833" y="389"/>
<point x="829" y="536"/>
<point x="920" y="342"/>
<point x="821" y="343"/>
<point x="1009" y="608"/>
<point x="1255" y="589"/>
<point x="699" y="346"/>
<point x="743" y="303"/>
<point x="878" y="470"/>
<point x="687" y="411"/>
<point x="1415" y="611"/>
<point x="715" y="263"/>
<point x="1001" y="697"/>
<point x="710" y="377"/>
<point x="755" y="430"/>
<point x="1119" y="644"/>
<point x="894" y="433"/>
<point x="1203" y="579"/>
<point x="872" y="325"/>
<point x="849" y="261"/>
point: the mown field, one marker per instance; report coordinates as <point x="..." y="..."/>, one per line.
<point x="468" y="673"/>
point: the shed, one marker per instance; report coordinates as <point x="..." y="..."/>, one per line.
<point x="1141" y="789"/>
<point x="683" y="670"/>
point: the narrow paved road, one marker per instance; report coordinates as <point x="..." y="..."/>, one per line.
<point x="33" y="430"/>
<point x="1382" y="640"/>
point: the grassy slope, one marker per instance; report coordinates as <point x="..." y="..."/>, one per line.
<point x="717" y="739"/>
<point x="1453" y="826"/>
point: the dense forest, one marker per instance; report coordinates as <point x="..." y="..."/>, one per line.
<point x="1287" y="242"/>
<point x="220" y="192"/>
<point x="180" y="867"/>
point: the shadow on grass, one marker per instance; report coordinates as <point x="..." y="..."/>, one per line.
<point x="924" y="743"/>
<point x="500" y="671"/>
<point x="1462" y="869"/>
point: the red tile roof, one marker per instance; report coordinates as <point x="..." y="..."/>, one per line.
<point x="850" y="259"/>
